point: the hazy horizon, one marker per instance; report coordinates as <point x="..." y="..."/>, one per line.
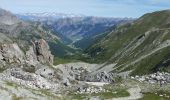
<point x="101" y="8"/>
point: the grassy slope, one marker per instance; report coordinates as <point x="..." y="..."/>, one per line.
<point x="114" y="46"/>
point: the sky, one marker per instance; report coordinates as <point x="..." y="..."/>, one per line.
<point x="102" y="8"/>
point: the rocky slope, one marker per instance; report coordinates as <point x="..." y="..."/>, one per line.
<point x="13" y="29"/>
<point x="26" y="65"/>
<point x="141" y="47"/>
<point x="32" y="72"/>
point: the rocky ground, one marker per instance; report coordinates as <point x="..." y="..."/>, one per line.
<point x="31" y="69"/>
<point x="30" y="75"/>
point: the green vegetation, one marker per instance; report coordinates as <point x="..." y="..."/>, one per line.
<point x="12" y="84"/>
<point x="58" y="49"/>
<point x="153" y="96"/>
<point x="102" y="95"/>
<point x="89" y="40"/>
<point x="149" y="65"/>
<point x="130" y="42"/>
<point x="61" y="61"/>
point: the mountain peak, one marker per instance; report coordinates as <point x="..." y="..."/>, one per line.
<point x="7" y="17"/>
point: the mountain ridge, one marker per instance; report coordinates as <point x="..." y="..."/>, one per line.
<point x="127" y="45"/>
<point x="73" y="30"/>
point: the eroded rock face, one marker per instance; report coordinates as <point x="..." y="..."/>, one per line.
<point x="11" y="53"/>
<point x="42" y="52"/>
<point x="31" y="57"/>
<point x="37" y="55"/>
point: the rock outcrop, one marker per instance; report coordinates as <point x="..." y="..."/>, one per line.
<point x="37" y="55"/>
<point x="31" y="56"/>
<point x="39" y="52"/>
<point x="11" y="53"/>
<point x="42" y="52"/>
<point x="30" y="68"/>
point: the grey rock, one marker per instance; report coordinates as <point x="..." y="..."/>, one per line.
<point x="46" y="72"/>
<point x="42" y="51"/>
<point x="7" y="18"/>
<point x="66" y="82"/>
<point x="30" y="55"/>
<point x="11" y="53"/>
<point x="101" y="77"/>
<point x="18" y="73"/>
<point x="1" y="57"/>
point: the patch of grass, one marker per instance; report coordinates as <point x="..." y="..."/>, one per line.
<point x="11" y="84"/>
<point x="102" y="95"/>
<point x="47" y="93"/>
<point x="113" y="94"/>
<point x="149" y="64"/>
<point x="62" y="60"/>
<point x="153" y="96"/>
<point x="118" y="45"/>
<point x="79" y="96"/>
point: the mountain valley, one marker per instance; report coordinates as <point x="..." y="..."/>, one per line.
<point x="74" y="57"/>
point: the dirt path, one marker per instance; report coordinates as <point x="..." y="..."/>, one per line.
<point x="134" y="94"/>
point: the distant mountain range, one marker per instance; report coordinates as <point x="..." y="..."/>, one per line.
<point x="46" y="16"/>
<point x="73" y="29"/>
<point x="53" y="16"/>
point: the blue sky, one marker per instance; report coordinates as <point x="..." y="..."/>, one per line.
<point x="104" y="8"/>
